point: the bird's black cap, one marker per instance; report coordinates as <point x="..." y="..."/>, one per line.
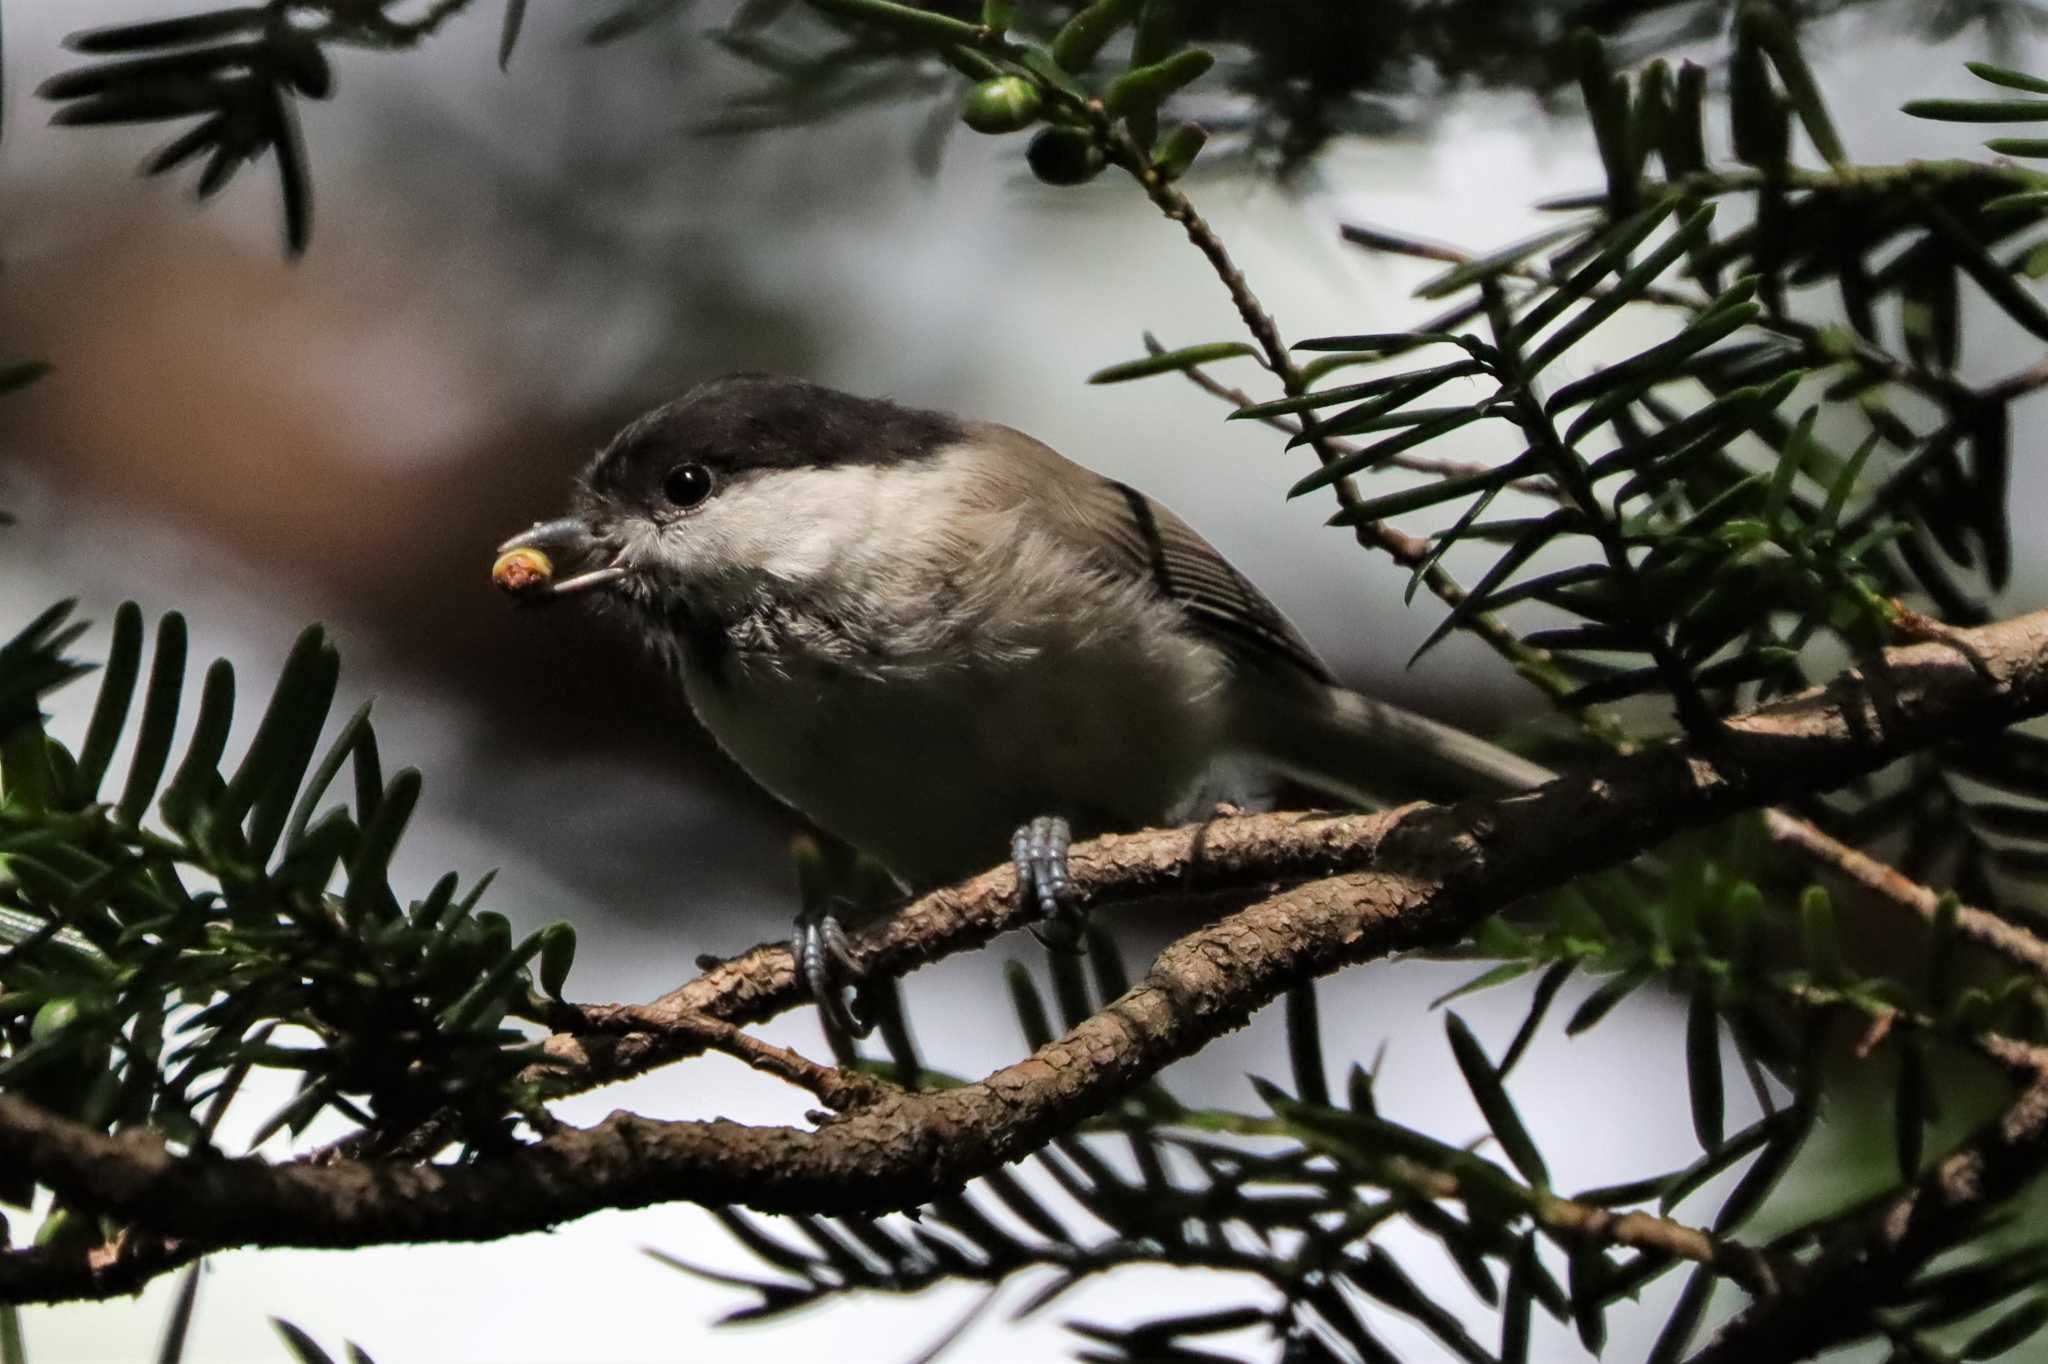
<point x="748" y="421"/>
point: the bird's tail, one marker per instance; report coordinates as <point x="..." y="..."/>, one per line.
<point x="1371" y="752"/>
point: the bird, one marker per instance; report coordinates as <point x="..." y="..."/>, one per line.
<point x="936" y="637"/>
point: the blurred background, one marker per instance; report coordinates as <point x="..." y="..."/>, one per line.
<point x="505" y="268"/>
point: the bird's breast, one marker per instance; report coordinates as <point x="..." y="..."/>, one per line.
<point x="928" y="757"/>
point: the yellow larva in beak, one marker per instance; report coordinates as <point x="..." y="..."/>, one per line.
<point x="523" y="570"/>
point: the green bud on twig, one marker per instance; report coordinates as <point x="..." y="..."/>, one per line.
<point x="1002" y="105"/>
<point x="1146" y="88"/>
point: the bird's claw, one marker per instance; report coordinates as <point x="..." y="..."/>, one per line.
<point x="824" y="964"/>
<point x="1039" y="851"/>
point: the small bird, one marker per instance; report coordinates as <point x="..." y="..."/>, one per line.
<point x="929" y="634"/>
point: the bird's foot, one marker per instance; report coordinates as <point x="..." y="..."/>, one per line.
<point x="825" y="968"/>
<point x="1039" y="851"/>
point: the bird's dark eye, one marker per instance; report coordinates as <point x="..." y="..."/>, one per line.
<point x="687" y="485"/>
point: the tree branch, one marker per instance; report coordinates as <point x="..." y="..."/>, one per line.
<point x="841" y="1089"/>
<point x="65" y="1273"/>
<point x="1833" y="1298"/>
<point x="1567" y="1220"/>
<point x="1982" y="927"/>
<point x="1410" y="877"/>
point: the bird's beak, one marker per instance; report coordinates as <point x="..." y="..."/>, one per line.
<point x="567" y="538"/>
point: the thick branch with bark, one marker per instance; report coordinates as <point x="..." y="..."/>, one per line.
<point x="1366" y="886"/>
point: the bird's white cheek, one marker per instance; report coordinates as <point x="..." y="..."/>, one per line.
<point x="814" y="531"/>
<point x="793" y="528"/>
<point x="729" y="546"/>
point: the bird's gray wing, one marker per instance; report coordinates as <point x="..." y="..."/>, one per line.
<point x="1217" y="602"/>
<point x="1131" y="536"/>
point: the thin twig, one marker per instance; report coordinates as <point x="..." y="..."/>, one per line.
<point x="1420" y="464"/>
<point x="2023" y="1060"/>
<point x="843" y="1090"/>
<point x="1986" y="929"/>
<point x="1581" y="1224"/>
<point x="2018" y="385"/>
